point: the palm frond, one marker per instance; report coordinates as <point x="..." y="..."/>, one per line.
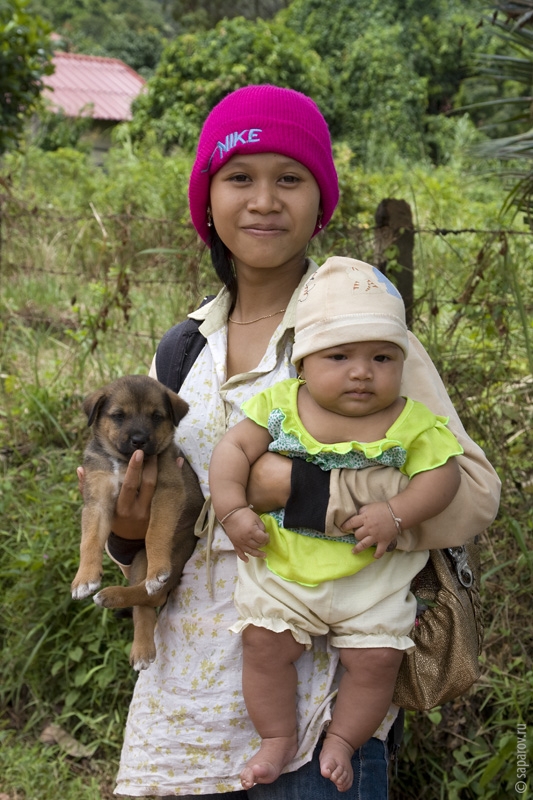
<point x="513" y="25"/>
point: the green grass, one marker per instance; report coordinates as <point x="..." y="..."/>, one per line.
<point x="33" y="771"/>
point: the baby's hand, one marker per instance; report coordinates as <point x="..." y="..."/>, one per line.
<point x="374" y="526"/>
<point x="247" y="533"/>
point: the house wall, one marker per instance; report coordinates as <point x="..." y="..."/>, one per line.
<point x="99" y="139"/>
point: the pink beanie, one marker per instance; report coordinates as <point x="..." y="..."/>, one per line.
<point x="263" y="119"/>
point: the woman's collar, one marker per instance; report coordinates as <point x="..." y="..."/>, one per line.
<point x="214" y="315"/>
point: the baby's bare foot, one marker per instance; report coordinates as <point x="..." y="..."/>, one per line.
<point x="336" y="761"/>
<point x="272" y="756"/>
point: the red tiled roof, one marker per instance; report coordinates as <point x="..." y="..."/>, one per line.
<point x="106" y="84"/>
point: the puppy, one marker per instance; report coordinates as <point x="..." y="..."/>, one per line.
<point x="137" y="413"/>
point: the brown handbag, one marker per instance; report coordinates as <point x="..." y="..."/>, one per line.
<point x="448" y="631"/>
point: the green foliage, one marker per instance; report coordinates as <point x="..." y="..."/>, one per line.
<point x="384" y="74"/>
<point x="136" y="32"/>
<point x="371" y="111"/>
<point x="511" y="70"/>
<point x="90" y="20"/>
<point x="198" y="70"/>
<point x="104" y="222"/>
<point x="378" y="72"/>
<point x="25" y="53"/>
<point x="62" y="662"/>
<point x="210" y="12"/>
<point x="40" y="771"/>
<point x="393" y="65"/>
<point x="73" y="175"/>
<point x="478" y="742"/>
<point x="140" y="49"/>
<point x="131" y="31"/>
<point x="55" y="130"/>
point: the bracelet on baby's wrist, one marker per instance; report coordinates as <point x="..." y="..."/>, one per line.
<point x="397" y="521"/>
<point x="233" y="511"/>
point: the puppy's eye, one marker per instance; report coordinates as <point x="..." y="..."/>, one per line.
<point x="117" y="416"/>
<point x="157" y="416"/>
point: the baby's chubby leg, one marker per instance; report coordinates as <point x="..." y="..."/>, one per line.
<point x="365" y="694"/>
<point x="269" y="686"/>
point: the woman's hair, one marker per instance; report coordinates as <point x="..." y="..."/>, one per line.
<point x="222" y="262"/>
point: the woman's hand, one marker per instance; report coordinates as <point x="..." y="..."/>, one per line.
<point x="132" y="511"/>
<point x="269" y="485"/>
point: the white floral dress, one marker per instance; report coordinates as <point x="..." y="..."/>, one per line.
<point x="188" y="731"/>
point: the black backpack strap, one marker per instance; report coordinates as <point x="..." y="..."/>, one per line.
<point x="178" y="350"/>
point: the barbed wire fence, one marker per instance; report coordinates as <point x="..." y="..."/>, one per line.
<point x="468" y="297"/>
<point x="123" y="252"/>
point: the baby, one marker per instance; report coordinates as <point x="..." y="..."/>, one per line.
<point x="345" y="410"/>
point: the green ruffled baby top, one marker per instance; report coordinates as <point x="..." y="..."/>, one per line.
<point x="417" y="441"/>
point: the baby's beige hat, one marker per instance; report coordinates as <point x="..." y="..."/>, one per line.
<point x="347" y="301"/>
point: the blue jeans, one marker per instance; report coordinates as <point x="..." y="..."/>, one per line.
<point x="370" y="768"/>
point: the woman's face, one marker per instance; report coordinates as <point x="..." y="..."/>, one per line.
<point x="265" y="208"/>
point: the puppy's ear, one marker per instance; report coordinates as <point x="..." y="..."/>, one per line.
<point x="93" y="404"/>
<point x="177" y="407"/>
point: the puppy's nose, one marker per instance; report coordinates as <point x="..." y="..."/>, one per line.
<point x="139" y="439"/>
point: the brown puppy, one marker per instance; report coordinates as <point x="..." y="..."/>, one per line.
<point x="137" y="413"/>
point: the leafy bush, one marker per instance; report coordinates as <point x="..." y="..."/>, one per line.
<point x="25" y="58"/>
<point x="55" y="130"/>
<point x="198" y="69"/>
<point x="394" y="66"/>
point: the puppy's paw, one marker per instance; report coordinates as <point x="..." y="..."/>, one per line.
<point x="101" y="599"/>
<point x="154" y="585"/>
<point x="142" y="663"/>
<point x="80" y="591"/>
<point x="141" y="659"/>
<point x="110" y="597"/>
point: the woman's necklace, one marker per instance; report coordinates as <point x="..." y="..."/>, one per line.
<point x="251" y="321"/>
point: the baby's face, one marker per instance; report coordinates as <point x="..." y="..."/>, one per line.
<point x="355" y="379"/>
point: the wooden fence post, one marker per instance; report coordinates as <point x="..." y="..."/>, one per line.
<point x="394" y="227"/>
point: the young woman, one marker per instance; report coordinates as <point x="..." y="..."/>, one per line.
<point x="263" y="184"/>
